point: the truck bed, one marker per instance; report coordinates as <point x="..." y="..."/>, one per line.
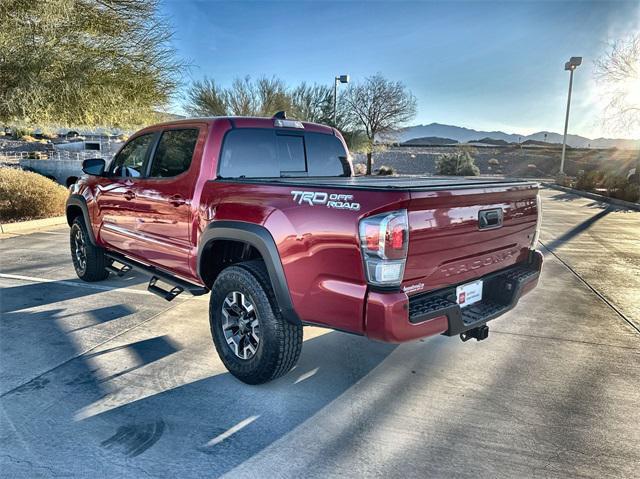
<point x="403" y="183"/>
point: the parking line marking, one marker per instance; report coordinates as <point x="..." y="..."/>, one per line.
<point x="72" y="283"/>
<point x="231" y="431"/>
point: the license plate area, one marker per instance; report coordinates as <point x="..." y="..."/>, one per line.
<point x="468" y="294"/>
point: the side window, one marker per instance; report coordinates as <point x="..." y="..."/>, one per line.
<point x="130" y="160"/>
<point x="174" y="153"/>
<point x="291" y="155"/>
<point x="249" y="153"/>
<point x="326" y="156"/>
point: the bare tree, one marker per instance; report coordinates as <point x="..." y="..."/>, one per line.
<point x="378" y="105"/>
<point x="618" y="73"/>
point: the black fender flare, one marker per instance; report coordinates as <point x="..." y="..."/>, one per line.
<point x="259" y="237"/>
<point x="79" y="201"/>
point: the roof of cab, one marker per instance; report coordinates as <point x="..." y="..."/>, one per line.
<point x="243" y="122"/>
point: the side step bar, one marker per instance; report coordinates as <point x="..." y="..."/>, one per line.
<point x="178" y="285"/>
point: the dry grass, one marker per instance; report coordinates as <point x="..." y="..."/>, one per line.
<point x="26" y="196"/>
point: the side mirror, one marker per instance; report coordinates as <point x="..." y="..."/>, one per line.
<point x="94" y="166"/>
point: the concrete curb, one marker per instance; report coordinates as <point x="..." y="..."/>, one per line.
<point x="35" y="225"/>
<point x="594" y="196"/>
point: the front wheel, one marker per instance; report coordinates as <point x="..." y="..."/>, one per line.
<point x="253" y="340"/>
<point x="89" y="261"/>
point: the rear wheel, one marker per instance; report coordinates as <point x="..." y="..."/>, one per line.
<point x="89" y="261"/>
<point x="253" y="340"/>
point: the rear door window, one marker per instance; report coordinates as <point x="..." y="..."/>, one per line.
<point x="174" y="153"/>
<point x="249" y="153"/>
<point x="291" y="157"/>
<point x="326" y="156"/>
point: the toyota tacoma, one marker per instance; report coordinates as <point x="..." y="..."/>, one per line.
<point x="266" y="214"/>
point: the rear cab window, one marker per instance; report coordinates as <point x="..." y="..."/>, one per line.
<point x="272" y="153"/>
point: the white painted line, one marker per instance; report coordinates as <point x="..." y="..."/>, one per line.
<point x="73" y="283"/>
<point x="306" y="375"/>
<point x="231" y="431"/>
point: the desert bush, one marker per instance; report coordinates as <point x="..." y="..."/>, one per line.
<point x="460" y="163"/>
<point x="359" y="169"/>
<point x="385" y="171"/>
<point x="494" y="161"/>
<point x="25" y="195"/>
<point x="19" y="132"/>
<point x="589" y="181"/>
<point x="631" y="192"/>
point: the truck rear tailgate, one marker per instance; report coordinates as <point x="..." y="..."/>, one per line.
<point x="449" y="245"/>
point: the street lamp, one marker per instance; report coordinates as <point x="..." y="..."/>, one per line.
<point x="571" y="65"/>
<point x="338" y="79"/>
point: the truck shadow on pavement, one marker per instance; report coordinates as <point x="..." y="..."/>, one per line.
<point x="210" y="425"/>
<point x="137" y="400"/>
<point x="576" y="230"/>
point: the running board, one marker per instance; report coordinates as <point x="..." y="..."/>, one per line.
<point x="120" y="272"/>
<point x="169" y="295"/>
<point x="178" y="284"/>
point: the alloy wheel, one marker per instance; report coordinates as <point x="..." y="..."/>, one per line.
<point x="80" y="250"/>
<point x="240" y="325"/>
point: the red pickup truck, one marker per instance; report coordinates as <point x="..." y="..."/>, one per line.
<point x="266" y="214"/>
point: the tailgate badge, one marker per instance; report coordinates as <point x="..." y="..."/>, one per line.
<point x="413" y="288"/>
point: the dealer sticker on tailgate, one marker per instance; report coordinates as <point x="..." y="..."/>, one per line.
<point x="469" y="293"/>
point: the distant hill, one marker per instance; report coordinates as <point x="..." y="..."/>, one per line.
<point x="491" y="141"/>
<point x="543" y="143"/>
<point x="464" y="135"/>
<point x="430" y="141"/>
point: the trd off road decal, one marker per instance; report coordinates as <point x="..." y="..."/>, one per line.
<point x="322" y="198"/>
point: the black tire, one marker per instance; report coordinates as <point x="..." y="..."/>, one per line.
<point x="94" y="265"/>
<point x="280" y="342"/>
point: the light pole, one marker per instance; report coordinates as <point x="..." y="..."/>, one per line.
<point x="338" y="79"/>
<point x="571" y="65"/>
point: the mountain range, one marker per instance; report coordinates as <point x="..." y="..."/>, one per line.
<point x="464" y="135"/>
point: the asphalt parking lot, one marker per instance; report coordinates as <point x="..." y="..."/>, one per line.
<point x="107" y="380"/>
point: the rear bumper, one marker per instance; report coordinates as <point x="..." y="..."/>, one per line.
<point x="393" y="317"/>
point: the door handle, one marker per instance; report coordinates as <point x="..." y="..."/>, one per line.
<point x="177" y="200"/>
<point x="129" y="195"/>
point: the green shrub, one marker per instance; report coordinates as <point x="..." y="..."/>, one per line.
<point x="25" y="195"/>
<point x="460" y="163"/>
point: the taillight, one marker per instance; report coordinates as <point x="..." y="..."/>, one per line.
<point x="384" y="240"/>
<point x="536" y="235"/>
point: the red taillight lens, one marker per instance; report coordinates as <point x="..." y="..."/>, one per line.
<point x="384" y="240"/>
<point x="372" y="237"/>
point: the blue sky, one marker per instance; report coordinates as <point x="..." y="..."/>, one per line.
<point x="476" y="64"/>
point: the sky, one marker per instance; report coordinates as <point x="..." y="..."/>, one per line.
<point x="482" y="65"/>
